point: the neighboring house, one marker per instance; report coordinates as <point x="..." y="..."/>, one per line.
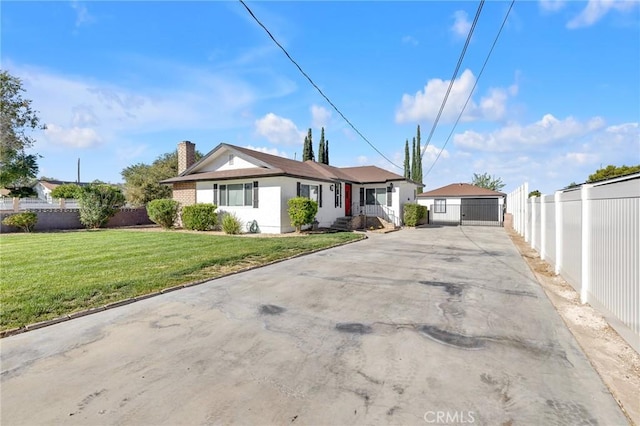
<point x="464" y="204"/>
<point x="44" y="188"/>
<point x="256" y="186"/>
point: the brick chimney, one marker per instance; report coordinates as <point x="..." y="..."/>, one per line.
<point x="186" y="155"/>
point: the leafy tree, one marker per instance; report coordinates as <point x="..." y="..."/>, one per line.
<point x="17" y="121"/>
<point x="535" y="193"/>
<point x="572" y="185"/>
<point x="407" y="164"/>
<point x="141" y="180"/>
<point x="487" y="181"/>
<point x="612" y="171"/>
<point x="302" y="211"/>
<point x="67" y="190"/>
<point x="99" y="202"/>
<point x="163" y="212"/>
<point x="22" y="192"/>
<point x="321" y="148"/>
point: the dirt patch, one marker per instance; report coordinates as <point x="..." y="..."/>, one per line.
<point x="612" y="357"/>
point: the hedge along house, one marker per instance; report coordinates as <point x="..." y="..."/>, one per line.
<point x="464" y="204"/>
<point x="256" y="186"/>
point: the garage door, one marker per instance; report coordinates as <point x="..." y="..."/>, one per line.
<point x="480" y="211"/>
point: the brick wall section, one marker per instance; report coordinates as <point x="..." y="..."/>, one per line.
<point x="184" y="193"/>
<point x="58" y="219"/>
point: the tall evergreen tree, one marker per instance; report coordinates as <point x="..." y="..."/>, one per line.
<point x="414" y="161"/>
<point x="311" y="155"/>
<point x="418" y="176"/>
<point x="326" y="152"/>
<point x="305" y="149"/>
<point x="321" y="148"/>
<point x="407" y="166"/>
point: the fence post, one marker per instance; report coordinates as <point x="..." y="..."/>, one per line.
<point x="62" y="203"/>
<point x="585" y="193"/>
<point x="543" y="226"/>
<point x="525" y="218"/>
<point x="559" y="230"/>
<point x="16" y="204"/>
<point x="532" y="205"/>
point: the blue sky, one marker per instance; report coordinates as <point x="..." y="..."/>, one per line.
<point x="119" y="83"/>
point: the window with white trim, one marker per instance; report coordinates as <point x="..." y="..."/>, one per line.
<point x="376" y="196"/>
<point x="440" y="206"/>
<point x="309" y="191"/>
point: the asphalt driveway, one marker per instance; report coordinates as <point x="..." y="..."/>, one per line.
<point x="424" y="326"/>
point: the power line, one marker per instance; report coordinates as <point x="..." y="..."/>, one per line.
<point x="455" y="74"/>
<point x="316" y="86"/>
<point x="473" y="88"/>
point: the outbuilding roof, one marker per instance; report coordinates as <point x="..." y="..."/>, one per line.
<point x="461" y="190"/>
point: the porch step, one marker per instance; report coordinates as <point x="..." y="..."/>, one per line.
<point x="342" y="224"/>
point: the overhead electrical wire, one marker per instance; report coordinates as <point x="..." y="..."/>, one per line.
<point x="453" y="78"/>
<point x="316" y="86"/>
<point x="473" y="88"/>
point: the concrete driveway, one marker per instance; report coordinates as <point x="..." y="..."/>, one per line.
<point x="424" y="326"/>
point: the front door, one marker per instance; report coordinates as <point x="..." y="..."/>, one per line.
<point x="347" y="199"/>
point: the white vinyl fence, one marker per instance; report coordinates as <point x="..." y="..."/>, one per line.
<point x="591" y="236"/>
<point x="23" y="204"/>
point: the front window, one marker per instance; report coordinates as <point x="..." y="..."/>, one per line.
<point x="236" y="194"/>
<point x="440" y="206"/>
<point x="309" y="191"/>
<point x="376" y="196"/>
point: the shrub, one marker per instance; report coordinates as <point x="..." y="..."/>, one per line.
<point x="67" y="190"/>
<point x="163" y="212"/>
<point x="302" y="211"/>
<point x="25" y="221"/>
<point x="414" y="213"/>
<point x="231" y="224"/>
<point x="98" y="203"/>
<point x="199" y="217"/>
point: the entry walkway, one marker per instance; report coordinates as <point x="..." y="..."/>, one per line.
<point x="422" y="326"/>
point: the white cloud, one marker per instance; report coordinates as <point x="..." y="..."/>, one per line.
<point x="581" y="157"/>
<point x="362" y="160"/>
<point x="597" y="9"/>
<point x="279" y="130"/>
<point x="461" y="24"/>
<point x="431" y="153"/>
<point x="73" y="137"/>
<point x="83" y="17"/>
<point x="513" y="136"/>
<point x="425" y="104"/>
<point x="320" y="116"/>
<point x="272" y="151"/>
<point x="410" y="40"/>
<point x="551" y="5"/>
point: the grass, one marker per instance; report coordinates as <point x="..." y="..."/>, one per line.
<point x="47" y="275"/>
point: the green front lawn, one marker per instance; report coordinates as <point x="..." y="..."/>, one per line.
<point x="47" y="275"/>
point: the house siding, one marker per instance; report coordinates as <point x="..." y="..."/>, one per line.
<point x="184" y="193"/>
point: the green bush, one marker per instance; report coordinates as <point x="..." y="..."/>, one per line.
<point x="25" y="221"/>
<point x="67" y="190"/>
<point x="98" y="203"/>
<point x="163" y="212"/>
<point x="231" y="224"/>
<point x="199" y="217"/>
<point x="535" y="193"/>
<point x="414" y="213"/>
<point x="302" y="211"/>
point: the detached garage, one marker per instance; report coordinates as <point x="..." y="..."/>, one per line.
<point x="463" y="204"/>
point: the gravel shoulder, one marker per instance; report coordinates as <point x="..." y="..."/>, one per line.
<point x="617" y="363"/>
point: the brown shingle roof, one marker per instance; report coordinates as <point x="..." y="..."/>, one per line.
<point x="280" y="166"/>
<point x="461" y="190"/>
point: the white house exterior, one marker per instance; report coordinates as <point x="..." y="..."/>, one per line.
<point x="256" y="187"/>
<point x="463" y="204"/>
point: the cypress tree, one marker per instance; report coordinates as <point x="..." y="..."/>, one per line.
<point x="418" y="177"/>
<point x="326" y="152"/>
<point x="312" y="156"/>
<point x="414" y="169"/>
<point x="407" y="167"/>
<point x="305" y="149"/>
<point x="321" y="148"/>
